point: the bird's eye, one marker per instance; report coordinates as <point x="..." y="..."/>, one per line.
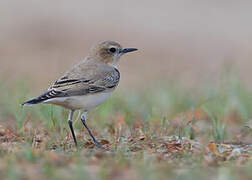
<point x="112" y="50"/>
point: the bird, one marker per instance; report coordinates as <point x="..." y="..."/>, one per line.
<point x="87" y="85"/>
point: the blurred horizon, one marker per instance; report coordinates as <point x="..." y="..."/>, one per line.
<point x="184" y="41"/>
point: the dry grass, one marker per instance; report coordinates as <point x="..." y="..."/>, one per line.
<point x="170" y="133"/>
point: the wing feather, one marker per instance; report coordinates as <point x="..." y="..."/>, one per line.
<point x="101" y="80"/>
<point x="83" y="79"/>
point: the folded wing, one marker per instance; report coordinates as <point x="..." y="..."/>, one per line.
<point x="81" y="81"/>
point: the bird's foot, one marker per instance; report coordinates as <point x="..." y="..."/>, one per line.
<point x="98" y="145"/>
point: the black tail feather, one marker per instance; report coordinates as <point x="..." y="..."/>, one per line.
<point x="45" y="96"/>
<point x="33" y="101"/>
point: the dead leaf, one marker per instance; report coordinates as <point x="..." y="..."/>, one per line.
<point x="213" y="148"/>
<point x="104" y="141"/>
<point x="2" y="130"/>
<point x="89" y="144"/>
<point x="141" y="135"/>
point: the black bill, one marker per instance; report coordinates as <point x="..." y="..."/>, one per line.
<point x="126" y="50"/>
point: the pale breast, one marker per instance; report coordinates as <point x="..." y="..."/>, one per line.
<point x="84" y="102"/>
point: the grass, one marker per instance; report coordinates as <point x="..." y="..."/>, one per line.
<point x="169" y="132"/>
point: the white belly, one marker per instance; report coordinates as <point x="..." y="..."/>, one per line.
<point x="85" y="102"/>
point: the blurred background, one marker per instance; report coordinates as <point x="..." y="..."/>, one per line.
<point x="183" y="108"/>
<point x="184" y="41"/>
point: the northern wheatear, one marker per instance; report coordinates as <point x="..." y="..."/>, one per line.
<point x="88" y="84"/>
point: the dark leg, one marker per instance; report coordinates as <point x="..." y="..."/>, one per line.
<point x="70" y="123"/>
<point x="83" y="120"/>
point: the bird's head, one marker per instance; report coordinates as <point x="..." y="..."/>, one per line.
<point x="108" y="52"/>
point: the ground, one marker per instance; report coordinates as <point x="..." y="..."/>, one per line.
<point x="160" y="133"/>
